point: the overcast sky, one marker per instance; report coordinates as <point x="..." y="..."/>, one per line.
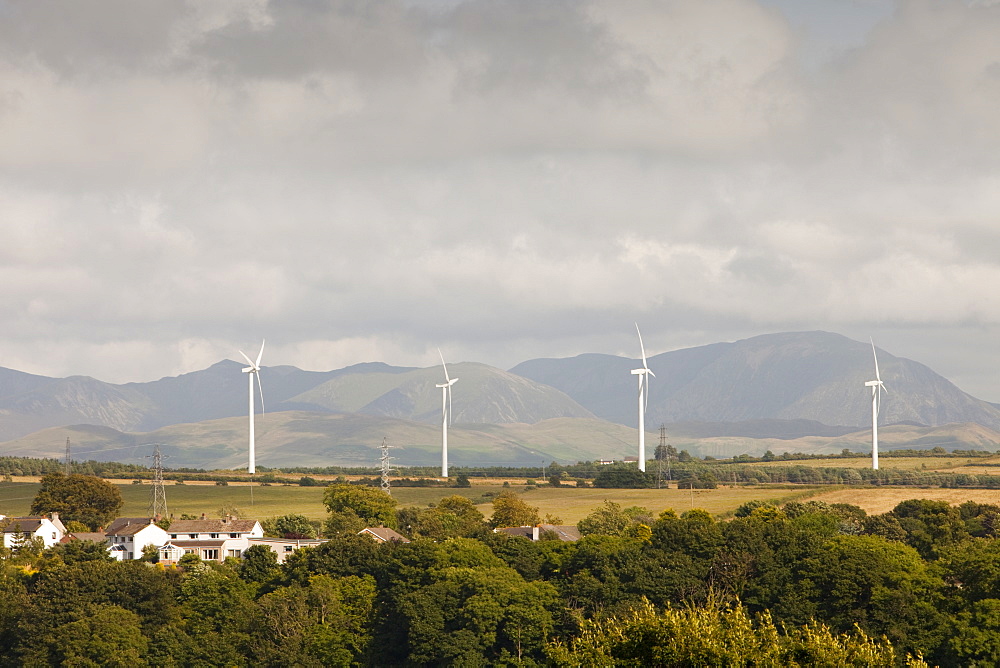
<point x="505" y="179"/>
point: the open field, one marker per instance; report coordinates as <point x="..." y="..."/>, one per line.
<point x="883" y="499"/>
<point x="569" y="504"/>
<point x="912" y="463"/>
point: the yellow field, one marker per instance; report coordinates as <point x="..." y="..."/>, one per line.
<point x="568" y="504"/>
<point x="883" y="499"/>
<point x="965" y="464"/>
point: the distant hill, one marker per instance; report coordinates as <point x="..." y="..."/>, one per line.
<point x="485" y="395"/>
<point x="814" y="376"/>
<point x="963" y="436"/>
<point x="300" y="438"/>
<point x="775" y="387"/>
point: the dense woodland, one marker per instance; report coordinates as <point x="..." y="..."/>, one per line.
<point x="805" y="584"/>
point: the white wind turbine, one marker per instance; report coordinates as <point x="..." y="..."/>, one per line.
<point x="877" y="388"/>
<point x="445" y="414"/>
<point x="254" y="370"/>
<point x="644" y="373"/>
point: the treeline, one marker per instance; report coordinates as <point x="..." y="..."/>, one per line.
<point x="807" y="584"/>
<point x="34" y="466"/>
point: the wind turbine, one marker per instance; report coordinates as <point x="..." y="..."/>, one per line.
<point x="254" y="370"/>
<point x="644" y="373"/>
<point x="445" y="414"/>
<point x="877" y="388"/>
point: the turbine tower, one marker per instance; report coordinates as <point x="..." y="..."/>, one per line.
<point x="877" y="388"/>
<point x="644" y="373"/>
<point x="253" y="370"/>
<point x="445" y="414"/>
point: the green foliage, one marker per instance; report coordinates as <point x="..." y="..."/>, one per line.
<point x="353" y="507"/>
<point x="289" y="526"/>
<point x="612" y="520"/>
<point x="715" y="636"/>
<point x="259" y="564"/>
<point x="452" y="517"/>
<point x="510" y="510"/>
<point x="624" y="478"/>
<point x="463" y="481"/>
<point x="82" y="498"/>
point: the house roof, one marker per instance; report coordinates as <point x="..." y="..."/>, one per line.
<point x="97" y="537"/>
<point x="524" y="532"/>
<point x="195" y="543"/>
<point x="384" y="534"/>
<point x="128" y="526"/>
<point x="212" y="526"/>
<point x="22" y="524"/>
<point x="566" y="532"/>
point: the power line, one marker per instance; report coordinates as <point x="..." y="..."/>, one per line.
<point x="158" y="496"/>
<point x="385" y="466"/>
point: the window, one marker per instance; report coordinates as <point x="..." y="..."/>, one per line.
<point x="129" y="555"/>
<point x="192" y="536"/>
<point x="234" y="535"/>
<point x="210" y="555"/>
<point x="233" y="553"/>
<point x="288" y="548"/>
<point x="173" y="535"/>
<point x="188" y="550"/>
<point x="214" y="535"/>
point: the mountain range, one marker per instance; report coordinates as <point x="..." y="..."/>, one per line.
<point x="783" y="386"/>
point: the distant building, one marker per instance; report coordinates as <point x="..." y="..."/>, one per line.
<point x="383" y="535"/>
<point x="285" y="547"/>
<point x="605" y="462"/>
<point x="128" y="536"/>
<point x="564" y="532"/>
<point x="19" y="530"/>
<point x="210" y="539"/>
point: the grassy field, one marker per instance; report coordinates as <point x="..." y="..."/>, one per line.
<point x="911" y="463"/>
<point x="570" y="505"/>
<point x="883" y="499"/>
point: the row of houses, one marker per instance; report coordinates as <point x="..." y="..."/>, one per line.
<point x="128" y="537"/>
<point x="210" y="539"/>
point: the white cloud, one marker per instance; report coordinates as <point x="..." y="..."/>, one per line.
<point x="505" y="178"/>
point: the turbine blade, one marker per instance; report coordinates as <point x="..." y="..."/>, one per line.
<point x="246" y="358"/>
<point x="641" y="347"/>
<point x="877" y="377"/>
<point x="257" y="363"/>
<point x="443" y="365"/>
<point x="261" y="390"/>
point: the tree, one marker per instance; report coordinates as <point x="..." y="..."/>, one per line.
<point x="289" y="526"/>
<point x="612" y="520"/>
<point x="83" y="498"/>
<point x="353" y="507"/>
<point x="452" y="517"/>
<point x="623" y="478"/>
<point x="510" y="510"/>
<point x="259" y="564"/>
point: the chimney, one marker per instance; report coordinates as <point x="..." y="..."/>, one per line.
<point x="55" y="517"/>
<point x="156" y="518"/>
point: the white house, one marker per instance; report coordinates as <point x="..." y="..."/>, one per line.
<point x="284" y="547"/>
<point x="18" y="530"/>
<point x="210" y="539"/>
<point x="127" y="536"/>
